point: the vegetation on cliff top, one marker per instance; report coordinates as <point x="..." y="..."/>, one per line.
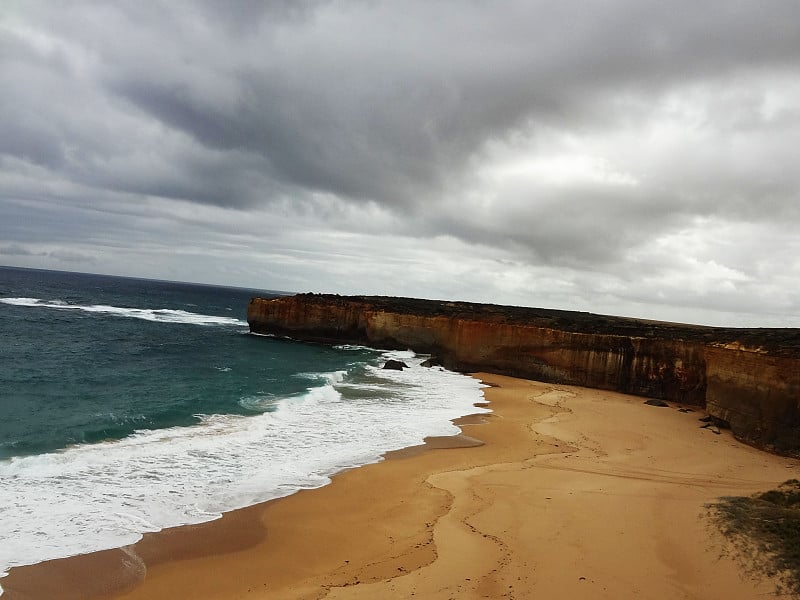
<point x="764" y="533"/>
<point x="774" y="341"/>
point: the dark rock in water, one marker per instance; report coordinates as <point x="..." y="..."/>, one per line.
<point x="706" y="419"/>
<point x="656" y="402"/>
<point x="433" y="361"/>
<point x="395" y="365"/>
<point x="685" y="410"/>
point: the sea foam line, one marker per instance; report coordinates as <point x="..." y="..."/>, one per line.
<point x="158" y="315"/>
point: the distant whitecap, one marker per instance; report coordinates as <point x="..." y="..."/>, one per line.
<point x="159" y="315"/>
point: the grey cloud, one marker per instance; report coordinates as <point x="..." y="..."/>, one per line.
<point x="579" y="227"/>
<point x="17" y="250"/>
<point x="374" y="118"/>
<point x="68" y="256"/>
<point x="384" y="102"/>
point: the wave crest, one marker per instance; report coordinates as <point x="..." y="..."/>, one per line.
<point x="158" y="315"/>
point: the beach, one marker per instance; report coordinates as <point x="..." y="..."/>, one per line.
<point x="561" y="492"/>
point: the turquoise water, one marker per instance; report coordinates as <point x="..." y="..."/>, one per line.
<point x="131" y="405"/>
<point x="102" y="357"/>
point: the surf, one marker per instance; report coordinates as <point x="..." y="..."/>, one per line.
<point x="105" y="495"/>
<point x="157" y="315"/>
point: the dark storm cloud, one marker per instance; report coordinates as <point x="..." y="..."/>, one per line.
<point x="381" y="102"/>
<point x="626" y="137"/>
<point x="368" y="101"/>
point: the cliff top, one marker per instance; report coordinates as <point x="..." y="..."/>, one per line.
<point x="775" y="341"/>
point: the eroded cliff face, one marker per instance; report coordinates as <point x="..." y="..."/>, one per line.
<point x="756" y="391"/>
<point x="757" y="394"/>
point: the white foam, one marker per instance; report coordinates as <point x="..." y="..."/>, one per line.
<point x="159" y="315"/>
<point x="352" y="347"/>
<point x="332" y="378"/>
<point x="106" y="495"/>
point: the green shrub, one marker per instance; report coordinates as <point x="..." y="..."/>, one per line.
<point x="764" y="531"/>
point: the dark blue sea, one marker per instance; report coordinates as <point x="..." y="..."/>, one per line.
<point x="130" y="405"/>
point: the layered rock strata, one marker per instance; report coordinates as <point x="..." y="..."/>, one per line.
<point x="748" y="379"/>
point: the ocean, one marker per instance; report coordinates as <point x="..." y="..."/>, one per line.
<point x="131" y="405"/>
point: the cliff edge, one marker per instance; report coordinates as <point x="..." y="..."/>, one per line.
<point x="748" y="379"/>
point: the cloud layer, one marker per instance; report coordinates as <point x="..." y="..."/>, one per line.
<point x="631" y="157"/>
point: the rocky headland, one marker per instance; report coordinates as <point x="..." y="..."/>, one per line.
<point x="746" y="379"/>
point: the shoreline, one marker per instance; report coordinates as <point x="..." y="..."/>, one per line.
<point x="76" y="577"/>
<point x="560" y="491"/>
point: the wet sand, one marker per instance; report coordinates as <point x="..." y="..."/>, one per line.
<point x="562" y="492"/>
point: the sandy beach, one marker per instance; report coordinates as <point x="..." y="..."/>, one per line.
<point x="562" y="492"/>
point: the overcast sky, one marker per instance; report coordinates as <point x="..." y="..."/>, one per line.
<point x="622" y="157"/>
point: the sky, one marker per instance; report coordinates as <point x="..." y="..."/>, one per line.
<point x="633" y="157"/>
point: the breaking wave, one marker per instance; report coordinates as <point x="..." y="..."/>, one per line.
<point x="103" y="495"/>
<point x="158" y="315"/>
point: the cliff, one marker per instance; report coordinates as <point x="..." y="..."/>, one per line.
<point x="748" y="379"/>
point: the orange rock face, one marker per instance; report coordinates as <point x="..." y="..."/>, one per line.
<point x="757" y="394"/>
<point x="749" y="379"/>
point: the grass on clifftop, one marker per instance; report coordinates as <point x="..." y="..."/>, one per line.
<point x="764" y="530"/>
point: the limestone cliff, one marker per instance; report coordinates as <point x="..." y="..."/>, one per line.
<point x="748" y="378"/>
